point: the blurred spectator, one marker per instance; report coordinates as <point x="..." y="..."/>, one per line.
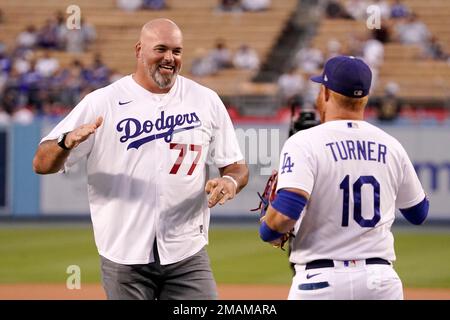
<point x="30" y="85"/>
<point x="55" y="109"/>
<point x="255" y="5"/>
<point x="23" y="115"/>
<point x="246" y="58"/>
<point x="334" y="48"/>
<point x="60" y="23"/>
<point x="5" y="62"/>
<point x="382" y="34"/>
<point x="291" y="86"/>
<point x="389" y="105"/>
<point x="48" y="35"/>
<point x="309" y="59"/>
<point x="22" y="61"/>
<point x="334" y="10"/>
<point x="391" y="88"/>
<point x="154" y="4"/>
<point x="10" y="96"/>
<point x="229" y="5"/>
<point x="2" y="17"/>
<point x="385" y="8"/>
<point x="221" y="55"/>
<point x="28" y="38"/>
<point x="60" y="18"/>
<point x="355" y="44"/>
<point x="2" y="47"/>
<point x="434" y="50"/>
<point x="357" y="9"/>
<point x="70" y="82"/>
<point x="373" y="53"/>
<point x="129" y="5"/>
<point x="78" y="40"/>
<point x="3" y="80"/>
<point x="311" y="92"/>
<point x="203" y="64"/>
<point x="5" y="118"/>
<point x="47" y="65"/>
<point x="399" y="10"/>
<point x="413" y="31"/>
<point x="98" y="74"/>
<point x="370" y="50"/>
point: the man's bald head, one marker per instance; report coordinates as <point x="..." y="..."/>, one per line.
<point x="158" y="27"/>
<point x="158" y="54"/>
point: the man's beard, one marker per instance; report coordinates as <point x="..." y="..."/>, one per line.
<point x="163" y="81"/>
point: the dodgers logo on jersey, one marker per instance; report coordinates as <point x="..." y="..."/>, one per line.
<point x="163" y="128"/>
<point x="287" y="163"/>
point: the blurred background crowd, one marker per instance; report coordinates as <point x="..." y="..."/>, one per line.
<point x="34" y="81"/>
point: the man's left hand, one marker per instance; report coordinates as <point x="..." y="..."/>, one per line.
<point x="220" y="190"/>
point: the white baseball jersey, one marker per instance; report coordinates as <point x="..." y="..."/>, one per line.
<point x="146" y="166"/>
<point x="356" y="175"/>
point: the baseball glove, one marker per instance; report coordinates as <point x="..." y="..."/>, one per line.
<point x="268" y="194"/>
<point x="266" y="198"/>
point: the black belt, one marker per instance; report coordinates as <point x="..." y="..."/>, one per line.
<point x="316" y="264"/>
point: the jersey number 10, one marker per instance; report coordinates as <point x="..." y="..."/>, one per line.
<point x="357" y="201"/>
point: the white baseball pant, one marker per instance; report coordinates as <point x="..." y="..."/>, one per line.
<point x="347" y="280"/>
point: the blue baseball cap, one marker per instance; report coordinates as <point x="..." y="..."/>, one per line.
<point x="346" y="75"/>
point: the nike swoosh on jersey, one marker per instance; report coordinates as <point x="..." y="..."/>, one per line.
<point x="309" y="276"/>
<point x="122" y="103"/>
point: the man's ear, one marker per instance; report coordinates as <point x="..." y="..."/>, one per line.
<point x="138" y="49"/>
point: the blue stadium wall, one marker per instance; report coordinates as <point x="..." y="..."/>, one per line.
<point x="25" y="194"/>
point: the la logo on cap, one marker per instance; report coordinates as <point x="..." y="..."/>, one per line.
<point x="358" y="93"/>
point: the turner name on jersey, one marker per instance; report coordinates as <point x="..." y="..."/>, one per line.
<point x="358" y="150"/>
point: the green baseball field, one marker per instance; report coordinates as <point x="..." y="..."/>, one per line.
<point x="34" y="261"/>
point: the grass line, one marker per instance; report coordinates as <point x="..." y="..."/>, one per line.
<point x="42" y="255"/>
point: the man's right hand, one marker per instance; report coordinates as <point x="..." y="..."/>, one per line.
<point x="80" y="134"/>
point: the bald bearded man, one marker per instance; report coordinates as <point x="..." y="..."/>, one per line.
<point x="147" y="138"/>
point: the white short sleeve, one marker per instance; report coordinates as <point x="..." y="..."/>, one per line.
<point x="297" y="166"/>
<point x="81" y="114"/>
<point x="410" y="191"/>
<point x="224" y="148"/>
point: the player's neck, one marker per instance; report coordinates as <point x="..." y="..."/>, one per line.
<point x="344" y="115"/>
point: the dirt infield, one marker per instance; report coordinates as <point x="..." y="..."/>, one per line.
<point x="226" y="292"/>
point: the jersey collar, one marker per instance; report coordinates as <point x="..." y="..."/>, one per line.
<point x="168" y="98"/>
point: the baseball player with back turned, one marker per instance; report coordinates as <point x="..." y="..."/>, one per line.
<point x="338" y="186"/>
<point x="147" y="138"/>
